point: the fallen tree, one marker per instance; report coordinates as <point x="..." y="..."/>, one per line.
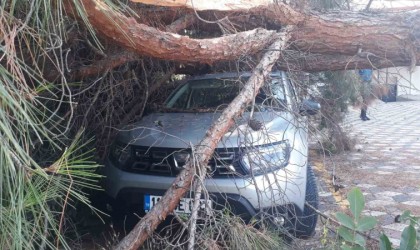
<point x="186" y="32"/>
<point x="319" y="41"/>
<point x="379" y="39"/>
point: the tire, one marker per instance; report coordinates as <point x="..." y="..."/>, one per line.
<point x="306" y="223"/>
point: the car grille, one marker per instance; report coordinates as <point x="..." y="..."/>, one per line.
<point x="162" y="161"/>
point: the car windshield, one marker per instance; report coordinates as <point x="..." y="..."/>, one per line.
<point x="213" y="94"/>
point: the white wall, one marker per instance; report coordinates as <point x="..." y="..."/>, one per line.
<point x="381" y="4"/>
<point x="408" y="82"/>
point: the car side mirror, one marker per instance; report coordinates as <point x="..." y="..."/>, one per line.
<point x="309" y="107"/>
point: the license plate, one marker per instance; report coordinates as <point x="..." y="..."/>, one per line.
<point x="184" y="207"/>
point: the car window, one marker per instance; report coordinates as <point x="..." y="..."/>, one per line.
<point x="212" y="93"/>
<point x="180" y="98"/>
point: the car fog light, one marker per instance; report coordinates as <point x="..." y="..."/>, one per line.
<point x="279" y="221"/>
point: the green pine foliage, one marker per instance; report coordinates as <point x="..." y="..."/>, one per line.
<point x="44" y="166"/>
<point x="335" y="91"/>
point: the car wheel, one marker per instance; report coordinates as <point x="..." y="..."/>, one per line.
<point x="306" y="223"/>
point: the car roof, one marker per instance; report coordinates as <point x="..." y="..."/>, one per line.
<point x="231" y="75"/>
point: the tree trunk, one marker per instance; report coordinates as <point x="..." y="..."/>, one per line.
<point x="391" y="38"/>
<point x="320" y="62"/>
<point x="204" y="150"/>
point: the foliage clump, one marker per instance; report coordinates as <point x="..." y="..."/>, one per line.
<point x="335" y="91"/>
<point x="45" y="164"/>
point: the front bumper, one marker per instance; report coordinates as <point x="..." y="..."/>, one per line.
<point x="285" y="187"/>
<point x="130" y="201"/>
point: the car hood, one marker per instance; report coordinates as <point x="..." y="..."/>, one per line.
<point x="181" y="130"/>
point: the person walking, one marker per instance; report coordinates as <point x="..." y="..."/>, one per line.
<point x="366" y="79"/>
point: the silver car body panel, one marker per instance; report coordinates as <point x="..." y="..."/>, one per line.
<point x="180" y="130"/>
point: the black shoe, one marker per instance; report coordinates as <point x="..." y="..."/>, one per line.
<point x="363" y="115"/>
<point x="365" y="118"/>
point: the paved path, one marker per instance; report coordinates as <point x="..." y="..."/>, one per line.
<point x="385" y="166"/>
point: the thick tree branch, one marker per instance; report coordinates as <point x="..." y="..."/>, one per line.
<point x="118" y="58"/>
<point x="204" y="150"/>
<point x="390" y="36"/>
<point x="151" y="42"/>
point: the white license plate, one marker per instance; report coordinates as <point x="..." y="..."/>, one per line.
<point x="184" y="207"/>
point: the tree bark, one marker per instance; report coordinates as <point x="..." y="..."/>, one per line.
<point x="116" y="59"/>
<point x="390" y="37"/>
<point x="151" y="42"/>
<point x="204" y="150"/>
<point x="307" y="62"/>
<point x="387" y="35"/>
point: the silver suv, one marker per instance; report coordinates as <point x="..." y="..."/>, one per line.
<point x="259" y="169"/>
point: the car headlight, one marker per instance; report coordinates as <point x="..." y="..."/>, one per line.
<point x="120" y="154"/>
<point x="266" y="158"/>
